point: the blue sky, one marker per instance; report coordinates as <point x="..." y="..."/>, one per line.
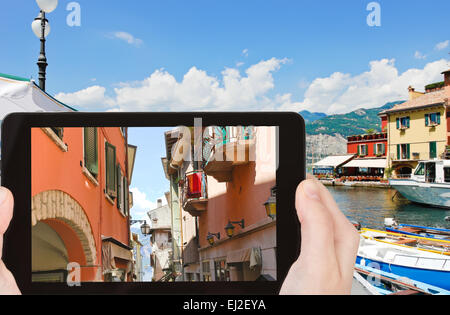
<point x="301" y="42"/>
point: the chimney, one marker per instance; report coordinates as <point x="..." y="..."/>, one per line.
<point x="413" y="94"/>
<point x="159" y="203"/>
<point x="446" y="77"/>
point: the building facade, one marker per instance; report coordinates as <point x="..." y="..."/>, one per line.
<point x="227" y="234"/>
<point x="80" y="203"/>
<point x="161" y="242"/>
<point x="419" y="128"/>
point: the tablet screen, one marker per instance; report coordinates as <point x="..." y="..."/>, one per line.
<point x="153" y="204"/>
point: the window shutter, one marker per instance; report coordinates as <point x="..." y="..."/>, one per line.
<point x="375" y="149"/>
<point x="408" y="147"/>
<point x="111" y="181"/>
<point x="438" y="118"/>
<point x="119" y="188"/>
<point x="359" y="151"/>
<point x="90" y="150"/>
<point x="398" y="123"/>
<point x="398" y="152"/>
<point x="126" y="204"/>
<point x="384" y="148"/>
<point x="407" y="122"/>
<point x="426" y="119"/>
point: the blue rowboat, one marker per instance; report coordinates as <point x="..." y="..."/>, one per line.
<point x="386" y="283"/>
<point x="422" y="231"/>
<point x="423" y="266"/>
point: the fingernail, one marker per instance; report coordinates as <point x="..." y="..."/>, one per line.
<point x="3" y="194"/>
<point x="311" y="190"/>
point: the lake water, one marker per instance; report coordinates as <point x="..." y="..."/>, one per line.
<point x="369" y="206"/>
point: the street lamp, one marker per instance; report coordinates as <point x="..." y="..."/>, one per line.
<point x="210" y="237"/>
<point x="145" y="228"/>
<point x="229" y="228"/>
<point x="271" y="204"/>
<point x="41" y="28"/>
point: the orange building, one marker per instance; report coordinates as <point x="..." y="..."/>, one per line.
<point x="80" y="204"/>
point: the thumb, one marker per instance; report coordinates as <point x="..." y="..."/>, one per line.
<point x="6" y="209"/>
<point x="6" y="212"/>
<point x="317" y="228"/>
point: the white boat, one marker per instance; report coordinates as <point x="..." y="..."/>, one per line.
<point x="429" y="184"/>
<point x="415" y="264"/>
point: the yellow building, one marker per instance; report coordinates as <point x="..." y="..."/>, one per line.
<point x="417" y="129"/>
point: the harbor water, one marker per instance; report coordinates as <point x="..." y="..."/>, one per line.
<point x="369" y="206"/>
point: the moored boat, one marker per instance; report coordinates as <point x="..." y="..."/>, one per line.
<point x="423" y="266"/>
<point x="380" y="282"/>
<point x="417" y="230"/>
<point x="420" y="243"/>
<point x="429" y="184"/>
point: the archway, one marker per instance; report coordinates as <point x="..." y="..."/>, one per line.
<point x="61" y="213"/>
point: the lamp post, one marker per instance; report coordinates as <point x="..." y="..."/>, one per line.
<point x="271" y="204"/>
<point x="41" y="28"/>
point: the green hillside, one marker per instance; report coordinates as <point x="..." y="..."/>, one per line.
<point x="354" y="123"/>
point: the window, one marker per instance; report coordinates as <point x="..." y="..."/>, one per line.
<point x="379" y="149"/>
<point x="403" y="151"/>
<point x="91" y="151"/>
<point x="362" y="149"/>
<point x="111" y="172"/>
<point x="221" y="269"/>
<point x="206" y="271"/>
<point x="447" y="174"/>
<point x="420" y="170"/>
<point x="403" y="122"/>
<point x="126" y="197"/>
<point x="432" y="119"/>
<point x="433" y="150"/>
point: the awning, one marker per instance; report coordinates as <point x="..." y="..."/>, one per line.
<point x="334" y="161"/>
<point x="367" y="163"/>
<point x="253" y="255"/>
<point x="112" y="249"/>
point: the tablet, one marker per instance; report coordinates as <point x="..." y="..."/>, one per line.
<point x="152" y="203"/>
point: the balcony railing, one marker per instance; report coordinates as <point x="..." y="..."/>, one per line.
<point x="195" y="194"/>
<point x="416" y="156"/>
<point x="226" y="147"/>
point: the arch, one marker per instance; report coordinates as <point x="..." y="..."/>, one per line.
<point x="56" y="205"/>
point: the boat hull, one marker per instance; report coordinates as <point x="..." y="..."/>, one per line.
<point x="438" y="278"/>
<point x="436" y="195"/>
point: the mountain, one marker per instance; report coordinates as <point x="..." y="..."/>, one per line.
<point x="310" y="117"/>
<point x="353" y="123"/>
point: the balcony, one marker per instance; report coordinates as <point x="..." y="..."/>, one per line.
<point x="195" y="196"/>
<point x="228" y="147"/>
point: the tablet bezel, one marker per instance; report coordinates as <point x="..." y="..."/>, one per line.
<point x="16" y="176"/>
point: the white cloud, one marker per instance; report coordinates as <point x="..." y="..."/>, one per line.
<point x="141" y="204"/>
<point x="91" y="97"/>
<point x="419" y="55"/>
<point x="251" y="90"/>
<point x="442" y="45"/>
<point x="245" y="52"/>
<point x="343" y="92"/>
<point x="127" y="37"/>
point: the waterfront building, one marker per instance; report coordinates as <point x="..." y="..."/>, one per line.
<point x="223" y="195"/>
<point x="419" y="128"/>
<point x="81" y="203"/>
<point x="161" y="242"/>
<point x="370" y="155"/>
<point x="331" y="166"/>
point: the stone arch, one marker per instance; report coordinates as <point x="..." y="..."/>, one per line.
<point x="58" y="205"/>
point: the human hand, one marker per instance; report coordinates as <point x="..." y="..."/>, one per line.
<point x="8" y="284"/>
<point x="328" y="248"/>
